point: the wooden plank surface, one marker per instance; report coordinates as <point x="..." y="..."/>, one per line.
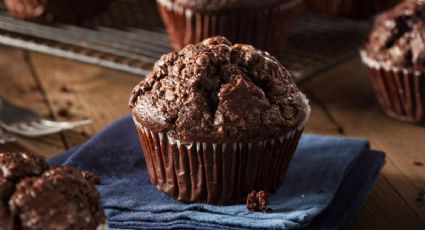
<point x="347" y="97"/>
<point x="350" y="102"/>
<point x="18" y="85"/>
<point x="342" y="101"/>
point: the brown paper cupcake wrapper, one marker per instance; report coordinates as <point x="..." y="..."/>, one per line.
<point x="359" y="9"/>
<point x="401" y="92"/>
<point x="264" y="28"/>
<point x="215" y="173"/>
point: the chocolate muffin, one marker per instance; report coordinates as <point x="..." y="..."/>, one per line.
<point x="60" y="10"/>
<point x="394" y="54"/>
<point x="36" y="197"/>
<point x="217" y="121"/>
<point x="263" y="24"/>
<point x="357" y="9"/>
<point x="35" y="201"/>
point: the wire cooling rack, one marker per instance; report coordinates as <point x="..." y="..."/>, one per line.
<point x="131" y="37"/>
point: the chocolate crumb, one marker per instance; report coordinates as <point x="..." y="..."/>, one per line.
<point x="421" y="197"/>
<point x="257" y="201"/>
<point x="69" y="103"/>
<point x="66" y="89"/>
<point x="251" y="201"/>
<point x="64" y="112"/>
<point x="84" y="133"/>
<point x="418" y="163"/>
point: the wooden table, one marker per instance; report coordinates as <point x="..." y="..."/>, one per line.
<point x="342" y="101"/>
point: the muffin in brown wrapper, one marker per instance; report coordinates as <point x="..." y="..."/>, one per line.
<point x="394" y="54"/>
<point x="217" y="120"/>
<point x="400" y="92"/>
<point x="216" y="173"/>
<point x="264" y="25"/>
<point x="358" y="9"/>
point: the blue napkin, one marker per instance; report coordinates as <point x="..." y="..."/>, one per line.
<point x="327" y="182"/>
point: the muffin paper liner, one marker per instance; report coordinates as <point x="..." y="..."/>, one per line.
<point x="216" y="173"/>
<point x="401" y="92"/>
<point x="264" y="28"/>
<point x="359" y="9"/>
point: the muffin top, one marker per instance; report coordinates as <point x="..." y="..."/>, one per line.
<point x="35" y="201"/>
<point x="30" y="193"/>
<point x="397" y="38"/>
<point x="210" y="5"/>
<point x="15" y="166"/>
<point x="219" y="93"/>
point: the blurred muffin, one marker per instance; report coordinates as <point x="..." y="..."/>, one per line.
<point x="32" y="196"/>
<point x="359" y="9"/>
<point x="394" y="54"/>
<point x="264" y="24"/>
<point x="60" y="10"/>
<point x="218" y="120"/>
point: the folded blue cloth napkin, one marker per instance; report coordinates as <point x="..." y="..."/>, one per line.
<point x="328" y="180"/>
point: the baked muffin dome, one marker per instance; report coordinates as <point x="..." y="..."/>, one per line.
<point x="216" y="92"/>
<point x="62" y="10"/>
<point x="398" y="36"/>
<point x="35" y="201"/>
<point x="32" y="196"/>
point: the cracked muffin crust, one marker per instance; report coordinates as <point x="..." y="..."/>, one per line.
<point x="219" y="92"/>
<point x="397" y="38"/>
<point x="32" y="196"/>
<point x="35" y="201"/>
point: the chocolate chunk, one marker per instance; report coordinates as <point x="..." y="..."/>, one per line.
<point x="257" y="201"/>
<point x="214" y="91"/>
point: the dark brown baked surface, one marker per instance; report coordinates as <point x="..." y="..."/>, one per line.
<point x="60" y="198"/>
<point x="15" y="166"/>
<point x="398" y="36"/>
<point x="61" y="10"/>
<point x="32" y="196"/>
<point x="214" y="5"/>
<point x="218" y="92"/>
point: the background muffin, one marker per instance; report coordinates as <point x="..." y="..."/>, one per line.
<point x="264" y="24"/>
<point x="32" y="196"/>
<point x="61" y="10"/>
<point x="394" y="53"/>
<point x="217" y="121"/>
<point x="350" y="8"/>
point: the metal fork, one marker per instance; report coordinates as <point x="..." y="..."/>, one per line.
<point x="5" y="138"/>
<point x="24" y="122"/>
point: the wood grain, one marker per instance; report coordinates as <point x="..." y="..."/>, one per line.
<point x="350" y="101"/>
<point x="85" y="91"/>
<point x="18" y="85"/>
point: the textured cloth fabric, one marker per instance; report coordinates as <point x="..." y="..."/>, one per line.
<point x="327" y="182"/>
